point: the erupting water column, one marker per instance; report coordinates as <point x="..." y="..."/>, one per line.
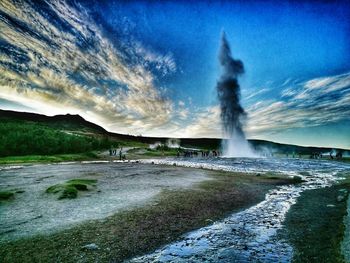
<point x="232" y="113"/>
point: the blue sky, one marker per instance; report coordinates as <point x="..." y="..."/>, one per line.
<point x="150" y="67"/>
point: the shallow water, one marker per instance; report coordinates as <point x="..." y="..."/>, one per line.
<point x="250" y="235"/>
<point x="119" y="186"/>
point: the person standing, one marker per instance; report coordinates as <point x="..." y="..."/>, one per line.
<point x="120" y="153"/>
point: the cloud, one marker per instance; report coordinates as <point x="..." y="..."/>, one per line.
<point x="257" y="93"/>
<point x="67" y="64"/>
<point x="55" y="59"/>
<point x="306" y="104"/>
<point x="312" y="103"/>
<point x="206" y="122"/>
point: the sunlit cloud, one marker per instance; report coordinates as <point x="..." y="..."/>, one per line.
<point x="78" y="69"/>
<point x="55" y="59"/>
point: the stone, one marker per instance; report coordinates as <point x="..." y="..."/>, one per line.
<point x="91" y="246"/>
<point x="340" y="198"/>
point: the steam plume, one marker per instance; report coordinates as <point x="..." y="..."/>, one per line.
<point x="232" y="113"/>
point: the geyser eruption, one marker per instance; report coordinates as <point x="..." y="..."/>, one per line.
<point x="232" y="113"/>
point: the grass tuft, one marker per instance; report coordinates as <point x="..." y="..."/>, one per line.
<point x="297" y="179"/>
<point x="6" y="195"/>
<point x="69" y="192"/>
<point x="69" y="189"/>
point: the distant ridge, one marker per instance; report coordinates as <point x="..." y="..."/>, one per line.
<point x="68" y="121"/>
<point x="72" y="118"/>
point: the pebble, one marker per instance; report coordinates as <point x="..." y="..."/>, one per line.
<point x="340" y="198"/>
<point x="91" y="246"/>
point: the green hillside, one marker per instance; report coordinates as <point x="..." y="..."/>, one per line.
<point x="26" y="137"/>
<point x="24" y="133"/>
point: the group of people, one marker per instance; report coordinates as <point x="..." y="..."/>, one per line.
<point x="316" y="155"/>
<point x="194" y="153"/>
<point x="338" y="155"/>
<point x="115" y="152"/>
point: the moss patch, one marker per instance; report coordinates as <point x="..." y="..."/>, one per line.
<point x="6" y="195"/>
<point x="297" y="179"/>
<point x="314" y="225"/>
<point x="70" y="188"/>
<point x="49" y="158"/>
<point x="273" y="175"/>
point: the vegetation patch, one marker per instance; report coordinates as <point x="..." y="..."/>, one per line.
<point x="49" y="158"/>
<point x="297" y="179"/>
<point x="6" y="195"/>
<point x="279" y="176"/>
<point x="70" y="188"/>
<point x="314" y="225"/>
<point x="346" y="181"/>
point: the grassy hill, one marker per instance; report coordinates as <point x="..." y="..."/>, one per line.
<point x="24" y="133"/>
<point x="28" y="134"/>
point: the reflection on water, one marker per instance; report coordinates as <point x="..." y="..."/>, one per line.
<point x="250" y="235"/>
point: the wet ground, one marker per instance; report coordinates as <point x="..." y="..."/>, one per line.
<point x="250" y="235"/>
<point x="119" y="186"/>
<point x="247" y="236"/>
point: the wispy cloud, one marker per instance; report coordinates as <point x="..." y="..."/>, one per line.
<point x="306" y="104"/>
<point x="312" y="103"/>
<point x="66" y="64"/>
<point x="55" y="59"/>
<point x="256" y="93"/>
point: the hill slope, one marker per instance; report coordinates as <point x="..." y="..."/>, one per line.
<point x="24" y="133"/>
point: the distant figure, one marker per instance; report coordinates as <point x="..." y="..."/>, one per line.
<point x="339" y="155"/>
<point x="120" y="154"/>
